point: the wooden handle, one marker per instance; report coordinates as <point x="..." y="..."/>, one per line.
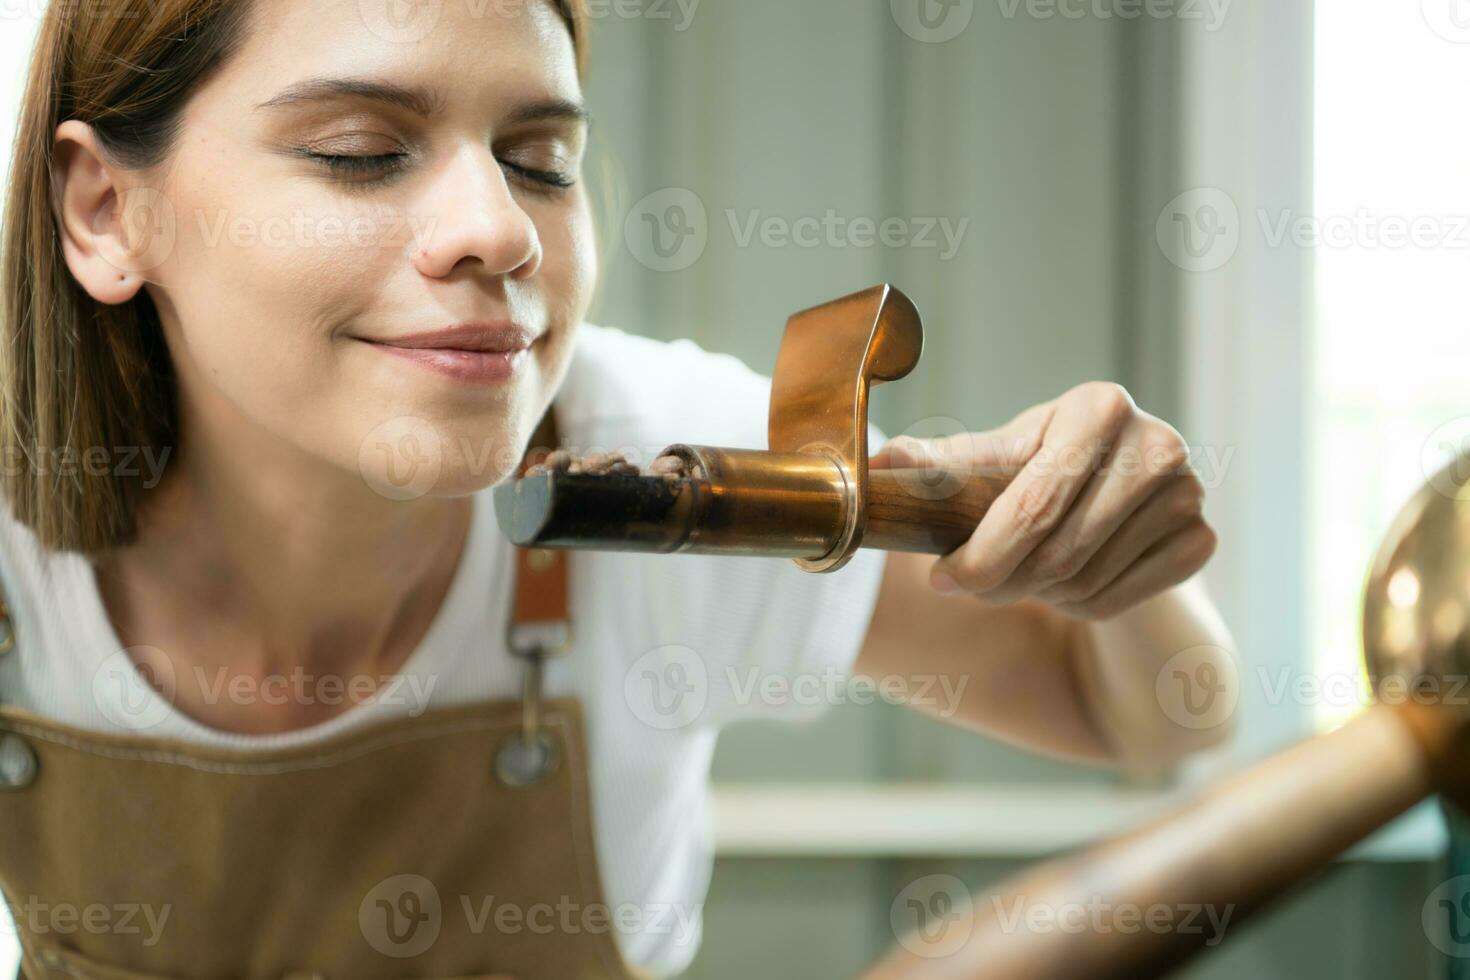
<point x="1236" y="847"/>
<point x="929" y="511"/>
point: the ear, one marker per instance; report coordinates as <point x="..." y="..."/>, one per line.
<point x="114" y="231"/>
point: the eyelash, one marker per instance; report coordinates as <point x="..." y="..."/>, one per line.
<point x="388" y="165"/>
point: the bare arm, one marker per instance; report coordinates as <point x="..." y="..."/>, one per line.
<point x="1074" y="625"/>
<point x="1035" y="678"/>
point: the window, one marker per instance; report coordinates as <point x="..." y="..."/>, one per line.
<point x="1389" y="393"/>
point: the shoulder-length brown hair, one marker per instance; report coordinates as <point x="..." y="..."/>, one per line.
<point x="87" y="389"/>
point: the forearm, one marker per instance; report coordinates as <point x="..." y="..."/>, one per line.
<point x="1160" y="680"/>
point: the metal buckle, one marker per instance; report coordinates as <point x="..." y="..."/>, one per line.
<point x="538" y="639"/>
<point x="529" y="755"/>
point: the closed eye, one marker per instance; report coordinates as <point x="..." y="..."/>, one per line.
<point x="554" y="179"/>
<point x="380" y="167"/>
<point x="379" y="164"/>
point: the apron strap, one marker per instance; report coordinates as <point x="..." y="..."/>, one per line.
<point x="539" y="614"/>
<point x="539" y="627"/>
<point x="7" y="628"/>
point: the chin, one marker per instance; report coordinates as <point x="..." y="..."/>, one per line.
<point x="409" y="456"/>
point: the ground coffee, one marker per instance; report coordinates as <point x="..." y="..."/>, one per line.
<point x="608" y="464"/>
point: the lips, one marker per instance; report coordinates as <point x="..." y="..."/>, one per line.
<point x="482" y="338"/>
<point x="477" y="353"/>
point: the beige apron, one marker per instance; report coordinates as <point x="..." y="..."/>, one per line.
<point x="457" y="844"/>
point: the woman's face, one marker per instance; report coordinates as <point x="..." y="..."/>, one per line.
<point x="349" y="181"/>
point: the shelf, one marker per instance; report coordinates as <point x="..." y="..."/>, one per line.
<point x="896" y="821"/>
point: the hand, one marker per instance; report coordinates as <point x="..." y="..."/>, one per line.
<point x="1105" y="512"/>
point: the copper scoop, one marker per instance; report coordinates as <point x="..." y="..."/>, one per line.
<point x="810" y="496"/>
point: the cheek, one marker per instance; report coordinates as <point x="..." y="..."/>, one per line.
<point x="259" y="281"/>
<point x="569" y="263"/>
<point x="265" y="268"/>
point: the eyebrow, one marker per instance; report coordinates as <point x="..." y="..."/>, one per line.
<point x="422" y="101"/>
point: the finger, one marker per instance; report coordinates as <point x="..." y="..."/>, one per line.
<point x="903" y="452"/>
<point x="1171" y="561"/>
<point x="1009" y="445"/>
<point x="1175" y="504"/>
<point x="1023" y="580"/>
<point x="1038" y="499"/>
<point x="1149" y="455"/>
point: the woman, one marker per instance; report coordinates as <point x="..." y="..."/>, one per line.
<point x="282" y="304"/>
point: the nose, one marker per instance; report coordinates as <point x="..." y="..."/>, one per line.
<point x="475" y="216"/>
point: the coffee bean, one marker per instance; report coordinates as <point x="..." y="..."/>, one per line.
<point x="669" y="467"/>
<point x="597" y="464"/>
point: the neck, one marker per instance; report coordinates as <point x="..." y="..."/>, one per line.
<point x="255" y="557"/>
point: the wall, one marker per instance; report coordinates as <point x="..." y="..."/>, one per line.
<point x="1058" y="140"/>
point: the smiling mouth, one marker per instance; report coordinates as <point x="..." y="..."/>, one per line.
<point x="473" y="353"/>
<point x="499" y="337"/>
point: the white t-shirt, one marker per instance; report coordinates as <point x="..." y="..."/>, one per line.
<point x="667" y="648"/>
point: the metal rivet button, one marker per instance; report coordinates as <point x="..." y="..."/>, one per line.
<point x="523" y="762"/>
<point x="17" y="762"/>
<point x="541" y="559"/>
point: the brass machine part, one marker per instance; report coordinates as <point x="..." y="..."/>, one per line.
<point x="1244" y="842"/>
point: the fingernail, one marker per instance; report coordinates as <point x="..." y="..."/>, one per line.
<point x="944" y="584"/>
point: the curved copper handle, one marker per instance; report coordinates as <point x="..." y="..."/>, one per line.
<point x="830" y="356"/>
